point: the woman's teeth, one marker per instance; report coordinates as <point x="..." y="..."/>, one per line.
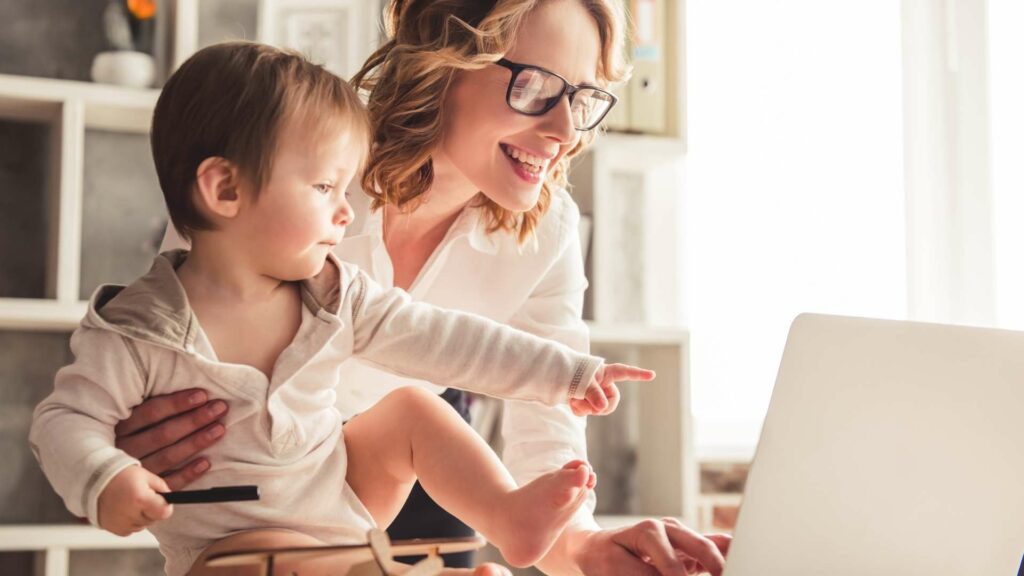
<point x="529" y="162"/>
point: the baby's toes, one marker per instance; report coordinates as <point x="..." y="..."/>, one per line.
<point x="575" y="474"/>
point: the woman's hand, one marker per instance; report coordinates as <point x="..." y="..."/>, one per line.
<point x="165" y="432"/>
<point x="602" y="395"/>
<point x="650" y="548"/>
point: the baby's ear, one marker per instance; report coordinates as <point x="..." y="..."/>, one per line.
<point x="218" y="190"/>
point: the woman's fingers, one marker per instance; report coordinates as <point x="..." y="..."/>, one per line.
<point x="159" y="408"/>
<point x="173" y="456"/>
<point x="180" y="428"/>
<point x="702" y="549"/>
<point x="182" y="477"/>
<point x="622" y="561"/>
<point x="723" y="541"/>
<point x="609" y="554"/>
<point x="651" y="542"/>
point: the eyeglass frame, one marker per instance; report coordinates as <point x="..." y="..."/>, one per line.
<point x="567" y="87"/>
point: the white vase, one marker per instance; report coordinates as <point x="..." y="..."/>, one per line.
<point x="124" y="68"/>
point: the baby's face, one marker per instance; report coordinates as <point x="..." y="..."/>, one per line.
<point x="302" y="211"/>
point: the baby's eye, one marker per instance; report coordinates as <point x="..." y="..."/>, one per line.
<point x="323" y="188"/>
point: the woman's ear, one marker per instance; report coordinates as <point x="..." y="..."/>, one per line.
<point x="218" y="188"/>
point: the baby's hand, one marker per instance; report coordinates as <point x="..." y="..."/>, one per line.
<point x="602" y="395"/>
<point x="130" y="501"/>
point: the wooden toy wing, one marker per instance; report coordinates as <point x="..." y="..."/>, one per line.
<point x="362" y="557"/>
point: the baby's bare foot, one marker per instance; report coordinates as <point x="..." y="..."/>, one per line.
<point x="535" y="514"/>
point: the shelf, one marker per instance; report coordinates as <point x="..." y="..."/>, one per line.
<point x="32" y="314"/>
<point x="106" y="107"/>
<point x="71" y="536"/>
<point x="606" y="333"/>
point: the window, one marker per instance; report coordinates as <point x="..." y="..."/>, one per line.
<point x="794" y="189"/>
<point x="1006" y="90"/>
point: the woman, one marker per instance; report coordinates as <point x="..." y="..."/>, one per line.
<point x="478" y="108"/>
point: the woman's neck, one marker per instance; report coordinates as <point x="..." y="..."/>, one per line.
<point x="411" y="238"/>
<point x="448" y="195"/>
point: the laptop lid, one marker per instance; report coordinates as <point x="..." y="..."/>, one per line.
<point x="889" y="448"/>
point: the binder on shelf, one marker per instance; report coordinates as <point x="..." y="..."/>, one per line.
<point x="650" y="102"/>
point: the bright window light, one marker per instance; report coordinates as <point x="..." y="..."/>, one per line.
<point x="794" y="189"/>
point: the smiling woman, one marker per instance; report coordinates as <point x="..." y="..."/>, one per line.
<point x="465" y="207"/>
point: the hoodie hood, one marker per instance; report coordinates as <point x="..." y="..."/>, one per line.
<point x="155" y="308"/>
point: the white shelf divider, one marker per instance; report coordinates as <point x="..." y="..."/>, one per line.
<point x="69" y="225"/>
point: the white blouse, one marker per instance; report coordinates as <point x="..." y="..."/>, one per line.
<point x="537" y="287"/>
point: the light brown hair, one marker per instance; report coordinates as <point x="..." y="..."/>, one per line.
<point x="230" y="100"/>
<point x="408" y="78"/>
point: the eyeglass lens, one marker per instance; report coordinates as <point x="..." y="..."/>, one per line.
<point x="535" y="92"/>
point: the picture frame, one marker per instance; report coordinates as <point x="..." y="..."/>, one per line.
<point x="338" y="34"/>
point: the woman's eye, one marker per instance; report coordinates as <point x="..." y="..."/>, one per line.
<point x="323" y="188"/>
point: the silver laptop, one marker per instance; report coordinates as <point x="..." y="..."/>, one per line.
<point x="890" y="448"/>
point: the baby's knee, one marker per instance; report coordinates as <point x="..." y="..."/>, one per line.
<point x="414" y="398"/>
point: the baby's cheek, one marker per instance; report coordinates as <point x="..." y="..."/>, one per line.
<point x="288" y="230"/>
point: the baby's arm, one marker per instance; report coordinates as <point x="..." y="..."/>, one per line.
<point x="72" y="435"/>
<point x="473" y="353"/>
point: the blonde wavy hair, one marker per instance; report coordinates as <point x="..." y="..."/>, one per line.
<point x="407" y="81"/>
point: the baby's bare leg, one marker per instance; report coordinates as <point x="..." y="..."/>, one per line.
<point x="288" y="539"/>
<point x="414" y="434"/>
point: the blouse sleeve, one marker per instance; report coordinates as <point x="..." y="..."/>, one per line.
<point x="539" y="439"/>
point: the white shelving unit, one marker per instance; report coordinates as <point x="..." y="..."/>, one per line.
<point x="69" y="108"/>
<point x="53" y="544"/>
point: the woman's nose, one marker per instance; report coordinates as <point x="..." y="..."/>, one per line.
<point x="558" y="122"/>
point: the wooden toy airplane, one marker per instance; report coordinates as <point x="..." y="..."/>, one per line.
<point x="376" y="557"/>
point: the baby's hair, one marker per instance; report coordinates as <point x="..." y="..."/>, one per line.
<point x="408" y="78"/>
<point x="229" y="101"/>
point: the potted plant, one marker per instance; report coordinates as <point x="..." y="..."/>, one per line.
<point x="129" y="28"/>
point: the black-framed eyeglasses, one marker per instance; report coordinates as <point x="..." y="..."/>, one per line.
<point x="534" y="91"/>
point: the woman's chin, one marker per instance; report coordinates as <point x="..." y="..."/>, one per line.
<point x="517" y="201"/>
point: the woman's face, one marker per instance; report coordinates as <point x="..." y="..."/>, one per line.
<point x="491" y="148"/>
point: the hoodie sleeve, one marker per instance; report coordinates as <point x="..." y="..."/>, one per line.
<point x="461" y="350"/>
<point x="72" y="433"/>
